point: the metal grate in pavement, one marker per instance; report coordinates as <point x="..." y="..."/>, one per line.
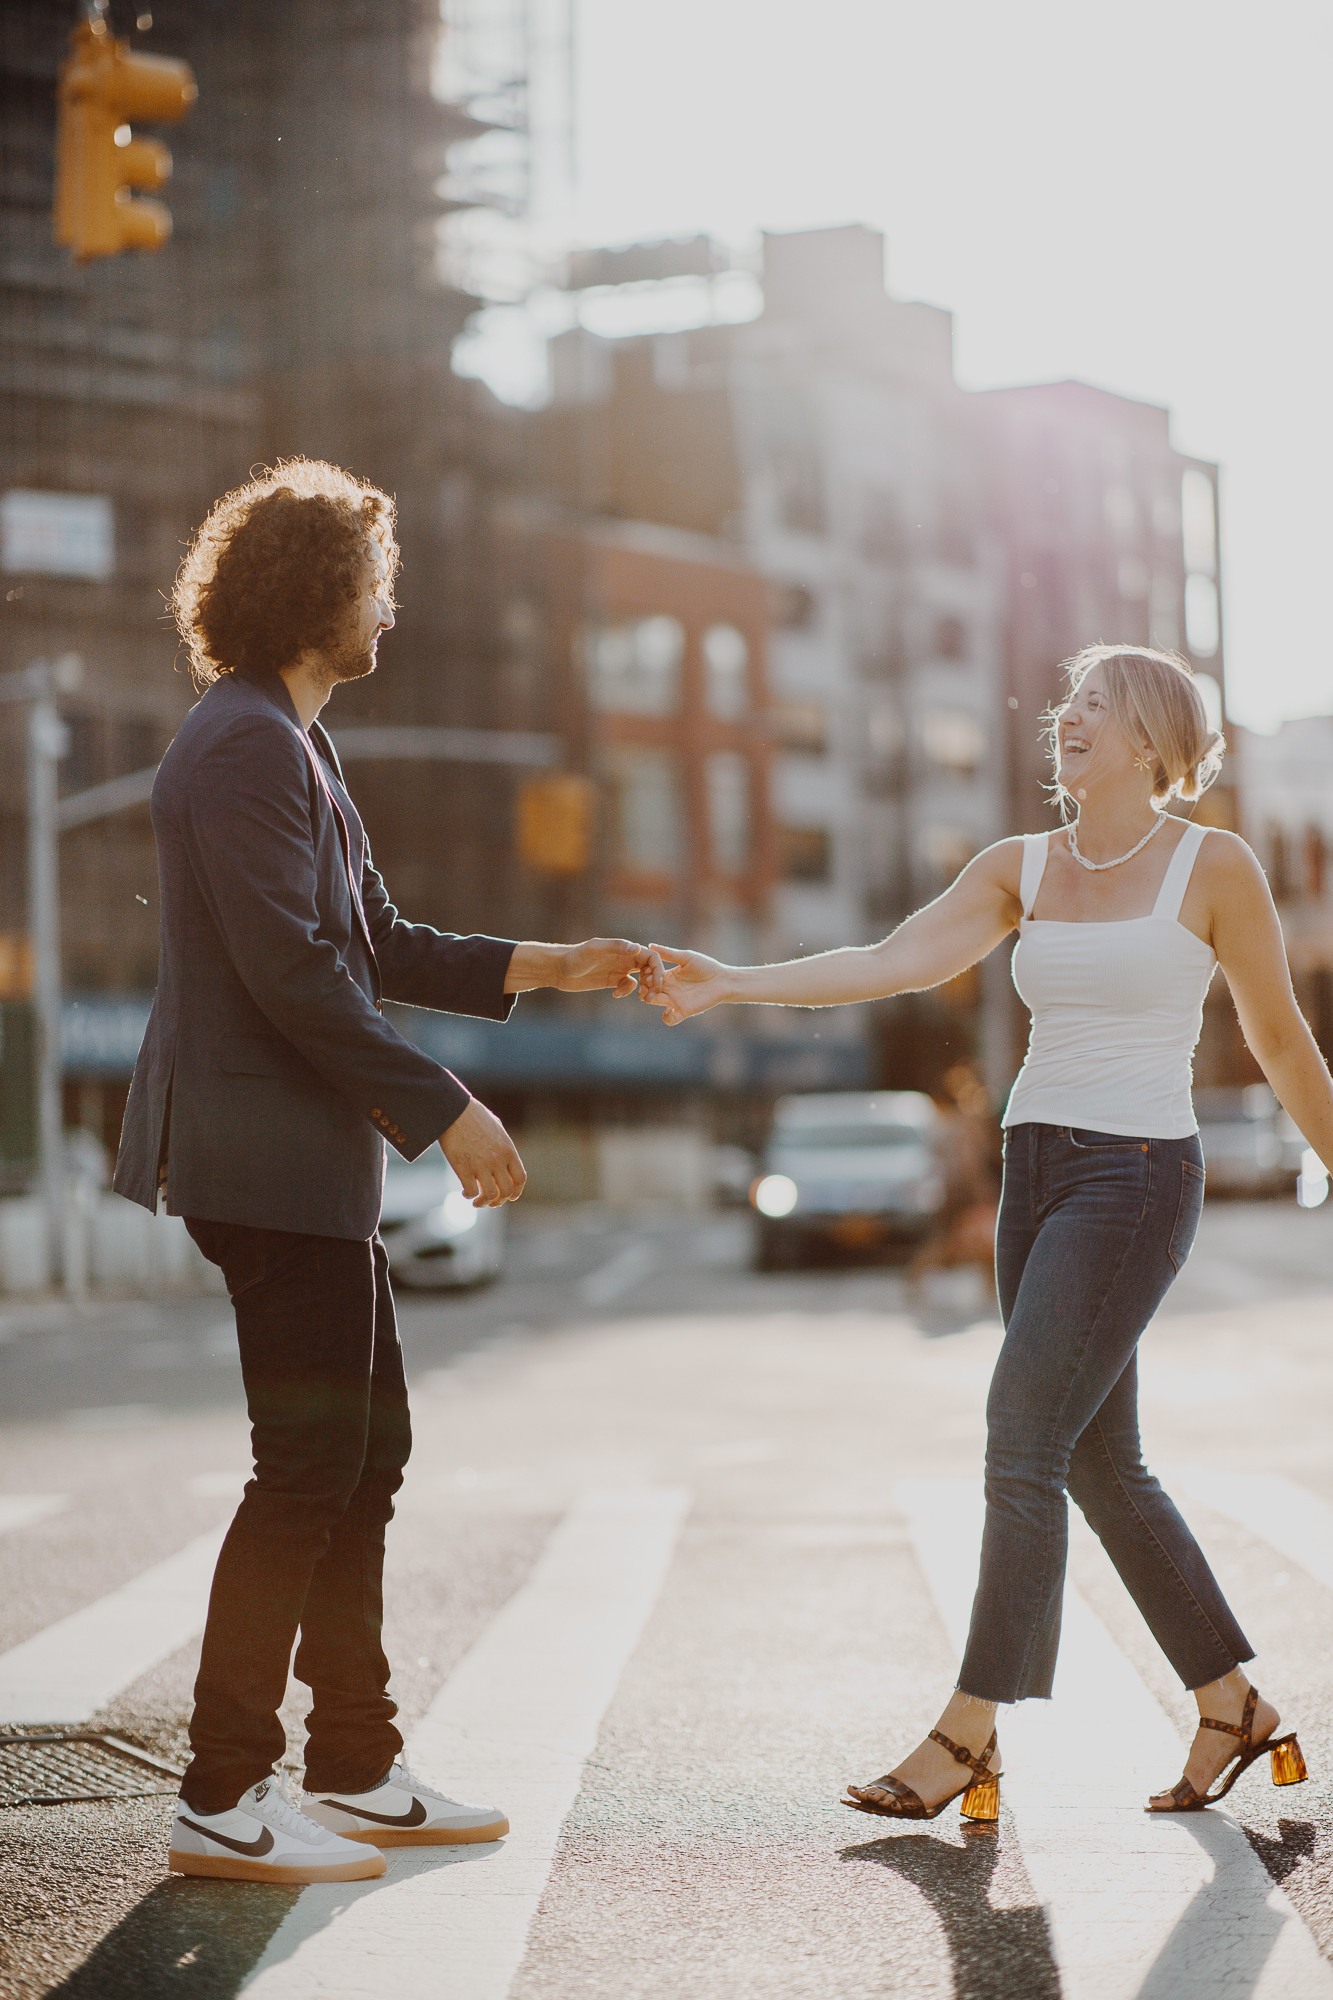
<point x="56" y="1767"/>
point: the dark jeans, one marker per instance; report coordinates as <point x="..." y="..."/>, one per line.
<point x="1093" y="1229"/>
<point x="330" y="1430"/>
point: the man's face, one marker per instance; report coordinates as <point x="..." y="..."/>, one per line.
<point x="354" y="654"/>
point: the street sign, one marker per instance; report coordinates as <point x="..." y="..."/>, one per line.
<point x="56" y="534"/>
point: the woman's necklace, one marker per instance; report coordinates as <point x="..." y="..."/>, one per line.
<point x="1096" y="867"/>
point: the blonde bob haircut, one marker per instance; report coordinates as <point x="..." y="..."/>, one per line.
<point x="1153" y="696"/>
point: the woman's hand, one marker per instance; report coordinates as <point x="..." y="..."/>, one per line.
<point x="685" y="983"/>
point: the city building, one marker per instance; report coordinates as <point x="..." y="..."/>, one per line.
<point x="1285" y="785"/>
<point x="931" y="556"/>
<point x="350" y="187"/>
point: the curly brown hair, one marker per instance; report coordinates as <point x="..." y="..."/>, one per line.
<point x="276" y="565"/>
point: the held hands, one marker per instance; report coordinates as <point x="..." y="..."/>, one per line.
<point x="683" y="983"/>
<point x="613" y="962"/>
<point x="484" y="1157"/>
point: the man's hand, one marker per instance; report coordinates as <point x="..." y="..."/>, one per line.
<point x="484" y="1157"/>
<point x="578" y="968"/>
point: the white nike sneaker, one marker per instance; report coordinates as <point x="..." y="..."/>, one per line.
<point x="405" y="1812"/>
<point x="264" y="1838"/>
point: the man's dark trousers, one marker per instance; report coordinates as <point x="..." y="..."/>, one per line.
<point x="331" y="1434"/>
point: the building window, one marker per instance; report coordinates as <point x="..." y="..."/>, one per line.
<point x="634" y="669"/>
<point x="1132" y="579"/>
<point x="728" y="780"/>
<point x="726" y="677"/>
<point x="1202" y="625"/>
<point x="1199" y="522"/>
<point x="794" y="607"/>
<point x="951" y="639"/>
<point x="952" y="737"/>
<point x="796" y="462"/>
<point x="646" y="816"/>
<point x="1121" y="512"/>
<point x="946" y="850"/>
<point x="1164" y="614"/>
<point x="805" y="853"/>
<point x="883" y="530"/>
<point x="800" y="725"/>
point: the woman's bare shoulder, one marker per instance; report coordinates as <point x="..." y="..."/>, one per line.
<point x="1224" y="858"/>
<point x="1001" y="863"/>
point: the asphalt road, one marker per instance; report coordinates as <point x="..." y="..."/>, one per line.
<point x="785" y="1459"/>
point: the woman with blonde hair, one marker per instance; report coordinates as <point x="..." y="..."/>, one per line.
<point x="1123" y="914"/>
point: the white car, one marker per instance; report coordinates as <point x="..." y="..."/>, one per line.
<point x="434" y="1236"/>
<point x="847" y="1171"/>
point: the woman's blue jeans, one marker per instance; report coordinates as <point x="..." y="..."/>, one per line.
<point x="1093" y="1229"/>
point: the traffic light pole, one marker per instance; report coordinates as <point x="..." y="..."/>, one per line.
<point x="46" y="735"/>
<point x="37" y="686"/>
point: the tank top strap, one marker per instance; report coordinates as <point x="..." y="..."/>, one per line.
<point x="1178" y="871"/>
<point x="1035" y="850"/>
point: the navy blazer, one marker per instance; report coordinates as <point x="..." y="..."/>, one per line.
<point x="268" y="1078"/>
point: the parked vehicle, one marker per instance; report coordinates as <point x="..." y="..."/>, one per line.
<point x="1250" y="1147"/>
<point x="434" y="1236"/>
<point x="847" y="1171"/>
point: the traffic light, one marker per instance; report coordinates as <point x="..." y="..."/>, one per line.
<point x="104" y="84"/>
<point x="554" y="822"/>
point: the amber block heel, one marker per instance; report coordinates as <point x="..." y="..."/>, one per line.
<point x="982" y="1800"/>
<point x="892" y="1799"/>
<point x="1284" y="1755"/>
<point x="1287" y="1761"/>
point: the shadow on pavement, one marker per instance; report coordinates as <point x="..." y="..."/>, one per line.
<point x="1192" y="1944"/>
<point x="204" y="1939"/>
<point x="996" y="1954"/>
<point x="200" y="1939"/>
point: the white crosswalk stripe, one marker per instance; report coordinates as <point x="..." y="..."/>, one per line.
<point x="513" y="1726"/>
<point x="1291" y="1520"/>
<point x="1174" y="1908"/>
<point x="73" y="1668"/>
<point x="21" y="1510"/>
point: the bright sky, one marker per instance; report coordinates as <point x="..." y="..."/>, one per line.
<point x="1134" y="194"/>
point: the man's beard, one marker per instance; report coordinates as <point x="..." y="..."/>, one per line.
<point x="351" y="661"/>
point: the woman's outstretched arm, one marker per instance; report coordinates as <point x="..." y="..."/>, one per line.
<point x="936" y="944"/>
<point x="1247" y="938"/>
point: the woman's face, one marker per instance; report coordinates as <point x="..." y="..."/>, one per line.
<point x="1091" y="744"/>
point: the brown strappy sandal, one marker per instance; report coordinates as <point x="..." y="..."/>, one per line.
<point x="892" y="1799"/>
<point x="1288" y="1763"/>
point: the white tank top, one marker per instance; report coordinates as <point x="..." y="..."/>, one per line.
<point x="1116" y="1010"/>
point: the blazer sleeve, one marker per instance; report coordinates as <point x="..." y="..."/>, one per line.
<point x="246" y="815"/>
<point x="423" y="967"/>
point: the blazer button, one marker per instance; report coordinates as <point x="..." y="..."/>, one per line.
<point x="376" y="1112"/>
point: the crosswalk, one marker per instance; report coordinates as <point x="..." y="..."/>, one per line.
<point x="23" y="1510"/>
<point x="519" y="1716"/>
<point x="1137" y="1908"/>
<point x="73" y="1668"/>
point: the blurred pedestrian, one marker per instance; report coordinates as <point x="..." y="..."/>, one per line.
<point x="1123" y="915"/>
<point x="265" y="1090"/>
<point x="968" y="1145"/>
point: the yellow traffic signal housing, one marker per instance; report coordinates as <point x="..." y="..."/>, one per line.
<point x="104" y="84"/>
<point x="554" y="823"/>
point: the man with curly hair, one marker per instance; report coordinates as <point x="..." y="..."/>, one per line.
<point x="266" y="1088"/>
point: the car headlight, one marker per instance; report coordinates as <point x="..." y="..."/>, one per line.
<point x="774" y="1194"/>
<point x="457" y="1212"/>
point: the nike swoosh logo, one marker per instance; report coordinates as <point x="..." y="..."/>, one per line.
<point x="416" y="1817"/>
<point x="253" y="1847"/>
